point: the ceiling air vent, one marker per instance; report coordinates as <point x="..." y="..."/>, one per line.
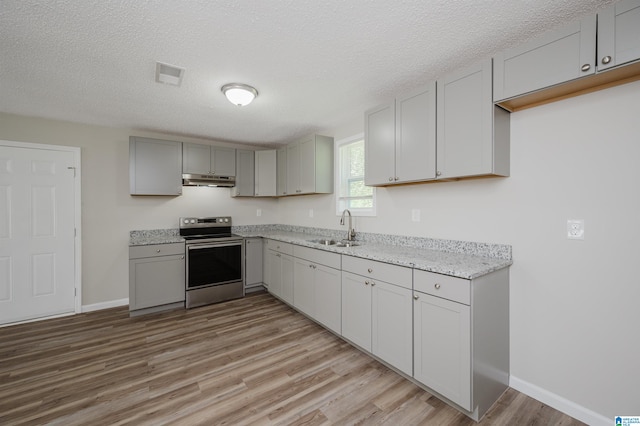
<point x="169" y="74"/>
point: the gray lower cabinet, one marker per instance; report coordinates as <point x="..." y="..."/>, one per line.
<point x="279" y="269"/>
<point x="472" y="133"/>
<point x="253" y="260"/>
<point x="376" y="314"/>
<point x="317" y="286"/>
<point x="461" y="337"/>
<point x="156" y="277"/>
<point x="155" y="166"/>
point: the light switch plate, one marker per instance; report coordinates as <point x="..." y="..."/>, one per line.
<point x="575" y="229"/>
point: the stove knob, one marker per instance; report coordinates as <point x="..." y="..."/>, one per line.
<point x="193" y="221"/>
<point x="226" y="220"/>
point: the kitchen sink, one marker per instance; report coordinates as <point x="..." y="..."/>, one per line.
<point x="347" y="244"/>
<point x="324" y="241"/>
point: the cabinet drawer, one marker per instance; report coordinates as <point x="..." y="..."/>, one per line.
<point x="138" y="252"/>
<point x="398" y="275"/>
<point x="451" y="288"/>
<point x="279" y="246"/>
<point x="322" y="257"/>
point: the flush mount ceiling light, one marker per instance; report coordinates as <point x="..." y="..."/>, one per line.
<point x="239" y="94"/>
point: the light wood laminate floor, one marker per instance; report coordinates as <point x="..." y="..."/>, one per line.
<point x="251" y="361"/>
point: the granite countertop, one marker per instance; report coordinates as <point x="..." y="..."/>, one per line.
<point x="455" y="258"/>
<point x="459" y="265"/>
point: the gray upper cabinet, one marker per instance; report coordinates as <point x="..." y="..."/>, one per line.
<point x="472" y="133"/>
<point x="619" y="34"/>
<point x="245" y="174"/>
<point x="206" y="159"/>
<point x="310" y="166"/>
<point x="155" y="167"/>
<point x="281" y="171"/>
<point x="265" y="173"/>
<point x="400" y="139"/>
<point x="553" y="58"/>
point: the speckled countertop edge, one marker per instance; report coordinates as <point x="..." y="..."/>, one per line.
<point x="460" y="259"/>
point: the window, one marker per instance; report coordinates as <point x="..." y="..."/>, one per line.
<point x="351" y="192"/>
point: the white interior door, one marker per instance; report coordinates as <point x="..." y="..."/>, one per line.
<point x="37" y="232"/>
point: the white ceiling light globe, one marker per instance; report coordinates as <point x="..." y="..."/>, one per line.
<point x="239" y="94"/>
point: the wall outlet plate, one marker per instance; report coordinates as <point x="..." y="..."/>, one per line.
<point x="415" y="215"/>
<point x="575" y="229"/>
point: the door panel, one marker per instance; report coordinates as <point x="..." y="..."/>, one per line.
<point x="37" y="236"/>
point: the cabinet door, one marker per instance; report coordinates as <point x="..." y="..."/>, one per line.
<point x="155" y="167"/>
<point x="392" y="328"/>
<point x="223" y="161"/>
<point x="196" y="158"/>
<point x="266" y="267"/>
<point x="245" y="169"/>
<point x="253" y="262"/>
<point x="293" y="169"/>
<point x="286" y="275"/>
<point x="265" y="173"/>
<point x="553" y="58"/>
<point x="156" y="281"/>
<point x="442" y="345"/>
<point x="379" y="145"/>
<point x="356" y="310"/>
<point x="303" y="291"/>
<point x="416" y="135"/>
<point x="281" y="160"/>
<point x="465" y="122"/>
<point x="275" y="278"/>
<point x="327" y="297"/>
<point x="307" y="167"/>
<point x="618" y="34"/>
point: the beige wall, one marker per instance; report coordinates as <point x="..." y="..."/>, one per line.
<point x="109" y="212"/>
<point x="574" y="304"/>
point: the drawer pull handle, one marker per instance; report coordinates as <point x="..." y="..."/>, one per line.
<point x="437" y="286"/>
<point x="415" y="297"/>
<point x="370" y="270"/>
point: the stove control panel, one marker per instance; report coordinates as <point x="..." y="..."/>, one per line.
<point x="198" y="222"/>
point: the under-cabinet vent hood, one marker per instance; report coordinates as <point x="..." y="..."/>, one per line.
<point x="208" y="180"/>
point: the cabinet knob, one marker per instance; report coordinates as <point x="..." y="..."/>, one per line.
<point x="370" y="270"/>
<point x="278" y="255"/>
<point x="606" y="60"/>
<point x="373" y="283"/>
<point x="438" y="173"/>
<point x="390" y="179"/>
<point x="437" y="286"/>
<point x="415" y="297"/>
<point x="396" y="178"/>
<point x="181" y="257"/>
<point x="585" y="67"/>
<point x="366" y="283"/>
<point x="158" y="251"/>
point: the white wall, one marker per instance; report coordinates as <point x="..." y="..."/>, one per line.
<point x="574" y="304"/>
<point x="109" y="212"/>
<point x="574" y="322"/>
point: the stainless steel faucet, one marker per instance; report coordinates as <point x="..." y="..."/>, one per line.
<point x="351" y="233"/>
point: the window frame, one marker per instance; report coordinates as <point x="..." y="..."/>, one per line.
<point x="363" y="212"/>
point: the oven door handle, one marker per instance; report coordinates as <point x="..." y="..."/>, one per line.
<point x="214" y="245"/>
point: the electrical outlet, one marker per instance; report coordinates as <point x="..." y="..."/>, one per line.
<point x="259" y="212"/>
<point x="415" y="215"/>
<point x="575" y="229"/>
<point x="310" y="212"/>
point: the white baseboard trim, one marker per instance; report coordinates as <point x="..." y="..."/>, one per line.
<point x="105" y="305"/>
<point x="559" y="403"/>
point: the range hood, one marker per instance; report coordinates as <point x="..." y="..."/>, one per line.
<point x="208" y="180"/>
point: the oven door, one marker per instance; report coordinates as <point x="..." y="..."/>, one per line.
<point x="213" y="264"/>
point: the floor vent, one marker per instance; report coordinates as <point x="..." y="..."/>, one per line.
<point x="169" y="74"/>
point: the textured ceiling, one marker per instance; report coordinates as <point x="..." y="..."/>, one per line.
<point x="316" y="64"/>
